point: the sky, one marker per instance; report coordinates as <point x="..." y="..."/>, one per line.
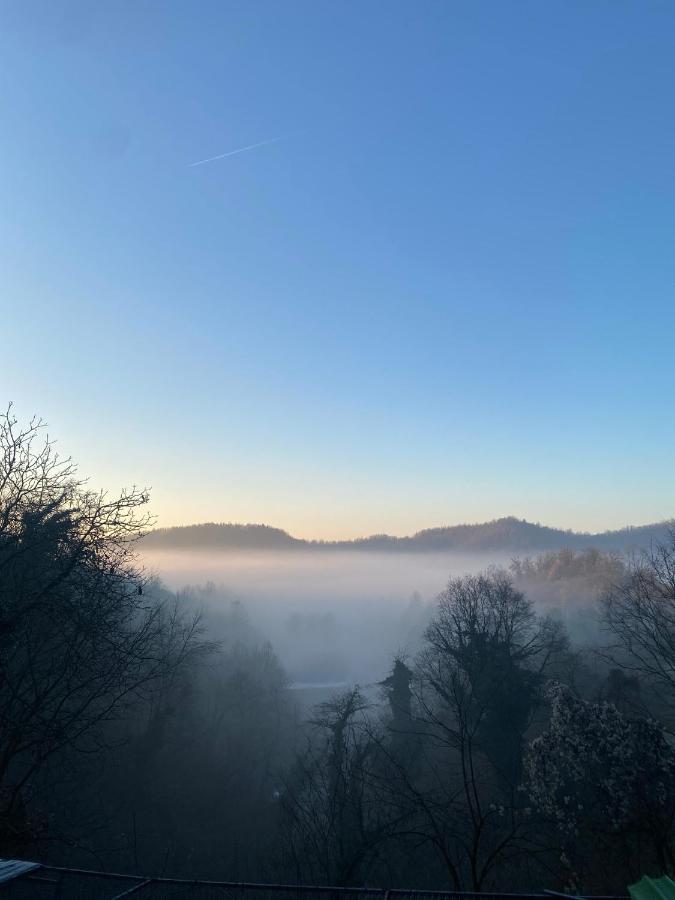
<point x="440" y="290"/>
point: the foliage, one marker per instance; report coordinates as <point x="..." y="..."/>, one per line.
<point x="596" y="770"/>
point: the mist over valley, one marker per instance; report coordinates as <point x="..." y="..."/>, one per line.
<point x="337" y="362"/>
<point x="336" y="613"/>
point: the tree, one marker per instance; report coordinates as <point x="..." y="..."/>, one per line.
<point x="603" y="778"/>
<point x="81" y="639"/>
<point x="194" y="789"/>
<point x="479" y="677"/>
<point x="332" y="822"/>
<point x="485" y="657"/>
<point x="639" y="612"/>
<point x="397" y="688"/>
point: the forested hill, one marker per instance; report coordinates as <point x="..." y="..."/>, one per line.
<point x="506" y="534"/>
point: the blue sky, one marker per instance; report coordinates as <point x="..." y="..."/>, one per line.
<point x="446" y="294"/>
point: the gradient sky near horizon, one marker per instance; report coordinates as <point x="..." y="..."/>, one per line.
<point x="442" y="289"/>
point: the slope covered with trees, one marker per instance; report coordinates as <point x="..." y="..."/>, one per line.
<point x="507" y="534"/>
<point x="502" y="756"/>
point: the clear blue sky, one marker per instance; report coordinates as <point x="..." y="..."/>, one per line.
<point x="446" y="294"/>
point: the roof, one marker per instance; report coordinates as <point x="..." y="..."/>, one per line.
<point x="12" y="868"/>
<point x="33" y="881"/>
<point x="652" y="889"/>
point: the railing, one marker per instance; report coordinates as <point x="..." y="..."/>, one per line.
<point x="59" y="883"/>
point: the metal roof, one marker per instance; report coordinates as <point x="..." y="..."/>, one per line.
<point x="652" y="889"/>
<point x="12" y="868"/>
<point x="62" y="883"/>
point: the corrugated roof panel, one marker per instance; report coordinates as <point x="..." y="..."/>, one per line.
<point x="12" y="868"/>
<point x="652" y="889"/>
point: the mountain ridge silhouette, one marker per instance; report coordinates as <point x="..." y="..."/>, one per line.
<point x="504" y="534"/>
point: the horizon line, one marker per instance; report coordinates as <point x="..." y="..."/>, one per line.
<point x="383" y="534"/>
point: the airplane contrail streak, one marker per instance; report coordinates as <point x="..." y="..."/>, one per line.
<point x="201" y="162"/>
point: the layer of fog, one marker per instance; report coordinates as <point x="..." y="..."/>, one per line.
<point x="333" y="619"/>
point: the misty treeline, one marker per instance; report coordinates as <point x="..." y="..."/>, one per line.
<point x="498" y="754"/>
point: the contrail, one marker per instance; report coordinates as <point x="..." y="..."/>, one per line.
<point x="201" y="162"/>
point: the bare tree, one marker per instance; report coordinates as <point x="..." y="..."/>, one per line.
<point x="479" y="678"/>
<point x="639" y="613"/>
<point x="81" y="639"/>
<point x="333" y="821"/>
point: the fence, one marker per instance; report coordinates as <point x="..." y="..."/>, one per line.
<point x="57" y="883"/>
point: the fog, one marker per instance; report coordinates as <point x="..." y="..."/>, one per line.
<point x="334" y="619"/>
<point x="298" y="736"/>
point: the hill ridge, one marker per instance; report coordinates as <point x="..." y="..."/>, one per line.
<point x="507" y="533"/>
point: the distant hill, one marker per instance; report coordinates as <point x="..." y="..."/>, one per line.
<point x="507" y="534"/>
<point x="222" y="536"/>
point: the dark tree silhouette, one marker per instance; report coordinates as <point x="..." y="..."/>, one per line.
<point x="479" y="676"/>
<point x="80" y="644"/>
<point x="639" y="612"/>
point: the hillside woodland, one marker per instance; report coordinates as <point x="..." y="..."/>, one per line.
<point x="506" y="753"/>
